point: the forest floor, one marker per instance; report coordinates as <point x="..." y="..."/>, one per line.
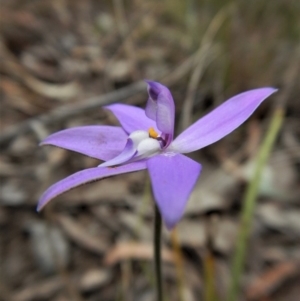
<point x="61" y="61"/>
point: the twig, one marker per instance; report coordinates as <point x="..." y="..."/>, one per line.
<point x="71" y="110"/>
<point x="74" y="109"/>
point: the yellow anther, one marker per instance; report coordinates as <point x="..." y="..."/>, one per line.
<point x="152" y="133"/>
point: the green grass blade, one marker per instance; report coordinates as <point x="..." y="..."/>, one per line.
<point x="249" y="204"/>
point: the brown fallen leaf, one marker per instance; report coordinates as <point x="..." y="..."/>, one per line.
<point x="45" y="289"/>
<point x="62" y="91"/>
<point x="268" y="282"/>
<point x="132" y="250"/>
<point x="40" y="290"/>
<point x="18" y="97"/>
<point x="81" y="236"/>
<point x="93" y="279"/>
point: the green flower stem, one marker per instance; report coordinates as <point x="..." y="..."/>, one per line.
<point x="249" y="204"/>
<point x="157" y="253"/>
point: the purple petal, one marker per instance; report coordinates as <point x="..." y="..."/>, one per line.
<point x="173" y="177"/>
<point x="160" y="107"/>
<point x="221" y="121"/>
<point x="131" y="118"/>
<point x="100" y="142"/>
<point x="127" y="153"/>
<point x="151" y="108"/>
<point x="84" y="177"/>
<point x="154" y="89"/>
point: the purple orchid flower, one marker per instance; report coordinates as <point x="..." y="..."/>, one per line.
<point x="145" y="141"/>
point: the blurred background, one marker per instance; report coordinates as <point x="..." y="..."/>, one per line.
<point x="61" y="60"/>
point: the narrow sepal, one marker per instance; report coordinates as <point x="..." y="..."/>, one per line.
<point x="131" y="118"/>
<point x="221" y="121"/>
<point x="127" y="153"/>
<point x="86" y="176"/>
<point x="100" y="142"/>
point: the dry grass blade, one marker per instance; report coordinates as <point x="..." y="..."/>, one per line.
<point x="205" y="55"/>
<point x="124" y="32"/>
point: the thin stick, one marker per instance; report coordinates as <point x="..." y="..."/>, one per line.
<point x="157" y="254"/>
<point x="73" y="109"/>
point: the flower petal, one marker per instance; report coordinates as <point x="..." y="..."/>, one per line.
<point x="131" y="118"/>
<point x="173" y="178"/>
<point x="100" y="142"/>
<point x="151" y="108"/>
<point x="154" y="89"/>
<point x="84" y="177"/>
<point x="127" y="153"/>
<point x="160" y="107"/>
<point x="221" y="121"/>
